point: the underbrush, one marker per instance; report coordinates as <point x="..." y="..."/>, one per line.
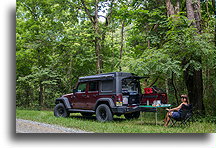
<point x="205" y="119"/>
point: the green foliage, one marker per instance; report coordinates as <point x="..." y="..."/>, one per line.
<point x="28" y="87"/>
<point x="153" y="62"/>
<point x="55" y="45"/>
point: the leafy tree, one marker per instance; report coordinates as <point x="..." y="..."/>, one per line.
<point x="172" y="41"/>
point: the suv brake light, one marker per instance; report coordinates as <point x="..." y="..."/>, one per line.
<point x="119" y="100"/>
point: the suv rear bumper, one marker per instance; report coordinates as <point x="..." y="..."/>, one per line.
<point x="125" y="109"/>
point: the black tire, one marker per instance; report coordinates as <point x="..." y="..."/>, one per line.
<point x="87" y="114"/>
<point x="134" y="115"/>
<point x="60" y="111"/>
<point x="103" y="113"/>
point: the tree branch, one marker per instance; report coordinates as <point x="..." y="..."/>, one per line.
<point x="87" y="11"/>
<point x="110" y="13"/>
<point x="31" y="11"/>
<point x="154" y="82"/>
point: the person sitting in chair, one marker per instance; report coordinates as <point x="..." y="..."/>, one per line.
<point x="176" y="112"/>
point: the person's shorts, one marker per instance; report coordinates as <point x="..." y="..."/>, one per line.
<point x="176" y="115"/>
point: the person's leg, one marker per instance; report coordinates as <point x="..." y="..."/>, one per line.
<point x="169" y="114"/>
<point x="165" y="119"/>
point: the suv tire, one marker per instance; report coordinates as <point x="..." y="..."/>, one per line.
<point x="60" y="111"/>
<point x="103" y="113"/>
<point x="134" y="115"/>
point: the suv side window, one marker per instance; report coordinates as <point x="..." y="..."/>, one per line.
<point x="93" y="86"/>
<point x="81" y="87"/>
<point x="107" y="86"/>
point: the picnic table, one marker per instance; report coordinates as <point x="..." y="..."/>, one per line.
<point x="150" y="108"/>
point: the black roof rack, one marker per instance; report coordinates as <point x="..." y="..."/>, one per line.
<point x="109" y="76"/>
<point x="97" y="77"/>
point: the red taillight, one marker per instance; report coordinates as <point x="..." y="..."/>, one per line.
<point x="119" y="100"/>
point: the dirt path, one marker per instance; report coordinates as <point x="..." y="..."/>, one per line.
<point x="28" y="126"/>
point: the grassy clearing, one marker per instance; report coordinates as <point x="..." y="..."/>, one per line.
<point x="145" y="124"/>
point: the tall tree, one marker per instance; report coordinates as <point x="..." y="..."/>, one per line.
<point x="40" y="30"/>
<point x="173" y="10"/>
<point x="193" y="77"/>
<point x="121" y="44"/>
<point x="214" y="9"/>
<point x="97" y="40"/>
<point x="97" y="29"/>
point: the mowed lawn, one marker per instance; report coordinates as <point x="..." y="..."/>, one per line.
<point x="145" y="124"/>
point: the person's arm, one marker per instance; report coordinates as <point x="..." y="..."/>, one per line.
<point x="173" y="109"/>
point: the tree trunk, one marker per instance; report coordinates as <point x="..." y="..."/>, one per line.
<point x="207" y="8"/>
<point x="193" y="13"/>
<point x="192" y="77"/>
<point x="171" y="9"/>
<point x="98" y="54"/>
<point x="122" y="44"/>
<point x="97" y="39"/>
<point x="194" y="83"/>
<point x="148" y="42"/>
<point x="214" y="8"/>
<point x="41" y="100"/>
<point x="167" y="86"/>
<point x="177" y="7"/>
<point x="175" y="89"/>
<point x="99" y="35"/>
<point x="197" y="15"/>
<point x="215" y="31"/>
<point x="190" y="10"/>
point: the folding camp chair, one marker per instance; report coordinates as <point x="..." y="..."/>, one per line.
<point x="185" y="118"/>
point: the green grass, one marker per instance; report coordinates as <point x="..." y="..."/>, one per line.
<point x="145" y="124"/>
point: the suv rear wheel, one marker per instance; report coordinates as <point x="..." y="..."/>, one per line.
<point x="60" y="111"/>
<point x="103" y="113"/>
<point x="134" y="115"/>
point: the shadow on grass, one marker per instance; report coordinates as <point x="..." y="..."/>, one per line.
<point x="93" y="118"/>
<point x="120" y="119"/>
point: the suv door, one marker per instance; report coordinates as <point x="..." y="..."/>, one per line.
<point x="92" y="94"/>
<point x="80" y="96"/>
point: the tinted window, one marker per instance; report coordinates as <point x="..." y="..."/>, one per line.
<point x="81" y="87"/>
<point x="129" y="85"/>
<point x="93" y="86"/>
<point x="107" y="85"/>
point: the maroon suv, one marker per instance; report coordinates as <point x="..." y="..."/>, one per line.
<point x="105" y="95"/>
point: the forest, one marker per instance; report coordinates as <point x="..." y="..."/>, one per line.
<point x="171" y="41"/>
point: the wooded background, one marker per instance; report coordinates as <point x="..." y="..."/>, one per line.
<point x="172" y="41"/>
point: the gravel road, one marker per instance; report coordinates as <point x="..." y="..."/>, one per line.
<point x="27" y="126"/>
